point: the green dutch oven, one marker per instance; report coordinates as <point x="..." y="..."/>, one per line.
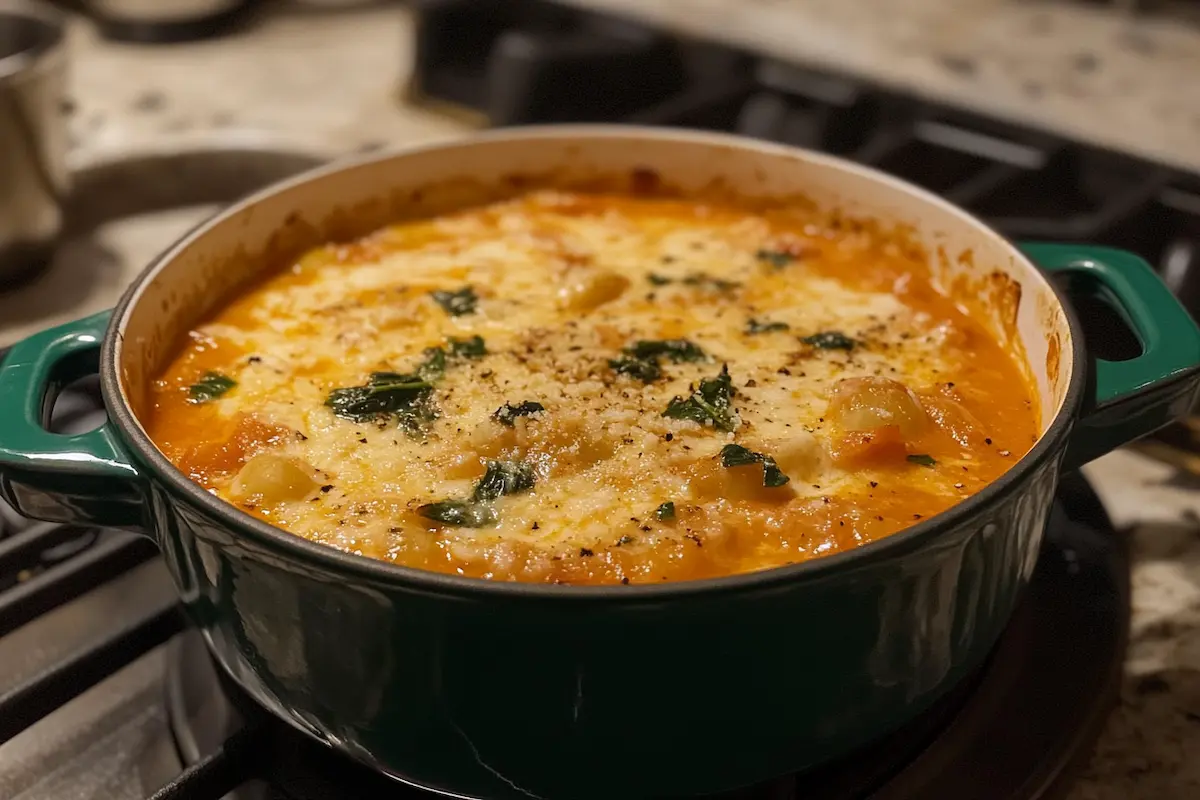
<point x="503" y="690"/>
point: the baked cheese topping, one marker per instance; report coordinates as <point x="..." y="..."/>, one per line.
<point x="594" y="389"/>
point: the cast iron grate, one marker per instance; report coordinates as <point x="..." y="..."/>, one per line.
<point x="512" y="62"/>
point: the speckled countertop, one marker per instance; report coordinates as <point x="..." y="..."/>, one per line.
<point x="329" y="82"/>
<point x="1076" y="68"/>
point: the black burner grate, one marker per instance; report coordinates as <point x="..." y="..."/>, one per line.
<point x="511" y="62"/>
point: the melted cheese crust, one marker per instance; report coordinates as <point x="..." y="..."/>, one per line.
<point x="565" y="281"/>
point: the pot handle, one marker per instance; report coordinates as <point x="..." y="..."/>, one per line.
<point x="1126" y="400"/>
<point x="86" y="477"/>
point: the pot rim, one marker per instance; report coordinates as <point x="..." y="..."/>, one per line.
<point x="377" y="572"/>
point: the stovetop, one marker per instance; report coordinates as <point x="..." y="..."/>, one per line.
<point x="106" y="693"/>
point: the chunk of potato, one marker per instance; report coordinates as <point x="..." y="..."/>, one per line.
<point x="588" y="289"/>
<point x="800" y="456"/>
<point x="270" y="479"/>
<point x="865" y="404"/>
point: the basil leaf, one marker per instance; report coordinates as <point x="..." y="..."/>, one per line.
<point x="210" y="386"/>
<point x="504" y="477"/>
<point x="456" y="303"/>
<point x="753" y="327"/>
<point x="709" y="404"/>
<point x="922" y="459"/>
<point x="830" y="340"/>
<point x="507" y="413"/>
<point x="734" y="455"/>
<point x="460" y="514"/>
<point x="665" y="512"/>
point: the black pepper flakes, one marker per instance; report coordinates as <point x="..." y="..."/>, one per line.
<point x="534" y="526"/>
<point x="874" y="484"/>
<point x="987" y="441"/>
<point x="669" y="436"/>
<point x="327" y="488"/>
<point x="363" y="440"/>
<point x="783" y="371"/>
<point x="624" y="581"/>
<point x="585" y="552"/>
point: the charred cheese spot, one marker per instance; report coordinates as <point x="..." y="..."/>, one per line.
<point x="360" y="404"/>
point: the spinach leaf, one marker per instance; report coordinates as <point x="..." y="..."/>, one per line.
<point x="675" y="349"/>
<point x="734" y="455"/>
<point x="646" y="371"/>
<point x="504" y="477"/>
<point x="665" y="512"/>
<point x="210" y="386"/>
<point x="830" y="340"/>
<point x="473" y="347"/>
<point x="640" y="360"/>
<point x="507" y="413"/>
<point x="705" y="280"/>
<point x="753" y="327"/>
<point x="459" y="514"/>
<point x="698" y="279"/>
<point x="457" y="303"/>
<point x="434" y="365"/>
<point x="710" y="404"/>
<point x="778" y="259"/>
<point x="501" y="478"/>
<point x="922" y="459"/>
<point x="407" y="397"/>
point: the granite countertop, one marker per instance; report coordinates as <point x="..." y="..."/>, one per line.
<point x="331" y="82"/>
<point x="1076" y="68"/>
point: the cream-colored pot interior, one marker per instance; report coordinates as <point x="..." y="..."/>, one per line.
<point x="350" y="199"/>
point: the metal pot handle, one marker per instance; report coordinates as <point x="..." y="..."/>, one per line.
<point x="86" y="477"/>
<point x="1126" y="400"/>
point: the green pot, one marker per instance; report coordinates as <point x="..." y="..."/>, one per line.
<point x="487" y="689"/>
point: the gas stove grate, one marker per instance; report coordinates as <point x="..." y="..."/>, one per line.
<point x="513" y="62"/>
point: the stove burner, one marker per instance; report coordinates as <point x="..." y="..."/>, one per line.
<point x="1014" y="733"/>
